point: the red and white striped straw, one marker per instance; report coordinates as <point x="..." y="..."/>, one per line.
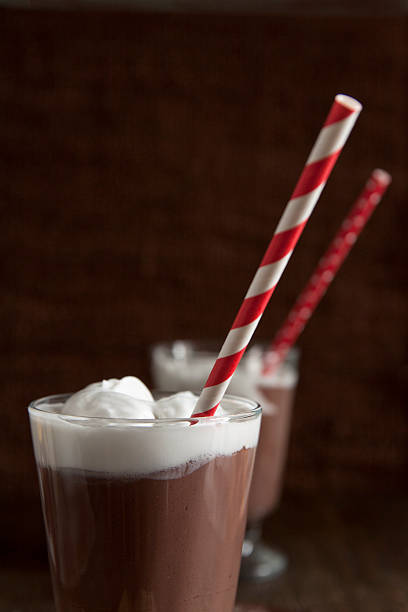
<point x="326" y="269"/>
<point x="328" y="146"/>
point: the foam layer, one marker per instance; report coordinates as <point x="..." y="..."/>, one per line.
<point x="184" y="368"/>
<point x="93" y="431"/>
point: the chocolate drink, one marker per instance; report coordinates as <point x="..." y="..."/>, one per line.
<point x="144" y="544"/>
<point x="144" y="507"/>
<point x="271" y="452"/>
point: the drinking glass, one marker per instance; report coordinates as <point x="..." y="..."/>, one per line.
<point x="186" y="364"/>
<point x="144" y="515"/>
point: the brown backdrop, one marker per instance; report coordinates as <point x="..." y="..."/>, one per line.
<point x="145" y="161"/>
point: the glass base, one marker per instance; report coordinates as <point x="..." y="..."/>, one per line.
<point x="260" y="562"/>
<point x="263" y="563"/>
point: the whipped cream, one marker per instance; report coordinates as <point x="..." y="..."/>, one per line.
<point x="103" y="428"/>
<point x="129" y="398"/>
<point x="115" y="398"/>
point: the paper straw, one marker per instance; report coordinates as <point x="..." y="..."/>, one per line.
<point x="328" y="146"/>
<point x="326" y="269"/>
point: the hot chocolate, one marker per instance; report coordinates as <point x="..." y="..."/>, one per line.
<point x="137" y="510"/>
<point x="153" y="543"/>
<point x="271" y="453"/>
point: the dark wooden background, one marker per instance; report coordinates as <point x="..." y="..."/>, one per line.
<point x="145" y="160"/>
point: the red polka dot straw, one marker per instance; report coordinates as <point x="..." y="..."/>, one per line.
<point x="326" y="269"/>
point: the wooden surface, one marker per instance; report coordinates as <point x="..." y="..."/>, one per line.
<point x="345" y="555"/>
<point x="145" y="160"/>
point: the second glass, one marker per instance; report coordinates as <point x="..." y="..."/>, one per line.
<point x="184" y="364"/>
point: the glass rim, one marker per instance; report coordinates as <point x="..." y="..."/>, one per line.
<point x="253" y="410"/>
<point x="212" y="345"/>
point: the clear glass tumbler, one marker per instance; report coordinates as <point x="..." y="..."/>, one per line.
<point x="185" y="364"/>
<point x="144" y="515"/>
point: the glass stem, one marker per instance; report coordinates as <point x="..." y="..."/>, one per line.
<point x="254" y="532"/>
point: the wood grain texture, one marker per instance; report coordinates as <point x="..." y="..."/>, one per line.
<point x="145" y="160"/>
